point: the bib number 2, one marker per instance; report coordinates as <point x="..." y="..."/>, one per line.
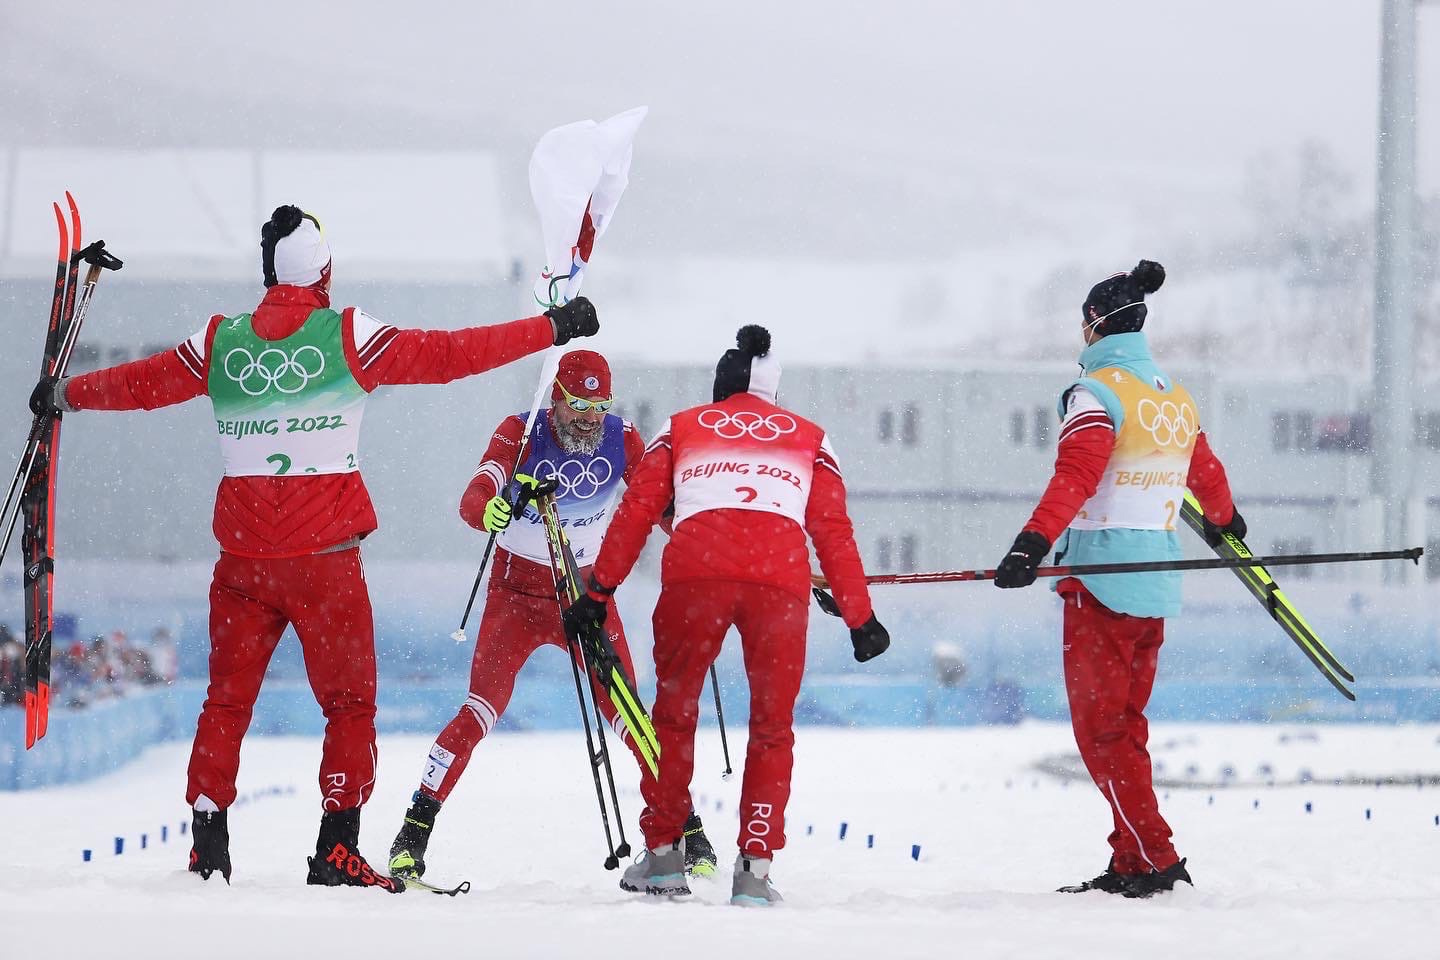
<point x="283" y="463"/>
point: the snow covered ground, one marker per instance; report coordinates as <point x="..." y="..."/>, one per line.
<point x="1353" y="876"/>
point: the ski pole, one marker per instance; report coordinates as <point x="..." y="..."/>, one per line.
<point x="549" y="364"/>
<point x="1157" y="566"/>
<point x="567" y="587"/>
<point x="518" y="507"/>
<point x="459" y="635"/>
<point x="720" y="714"/>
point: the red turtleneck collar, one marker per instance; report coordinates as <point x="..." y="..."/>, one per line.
<point x="285" y="308"/>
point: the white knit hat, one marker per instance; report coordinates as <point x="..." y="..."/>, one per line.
<point x="293" y="247"/>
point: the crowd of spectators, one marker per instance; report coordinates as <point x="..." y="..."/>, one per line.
<point x="85" y="672"/>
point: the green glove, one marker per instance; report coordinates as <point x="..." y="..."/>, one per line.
<point x="497" y="514"/>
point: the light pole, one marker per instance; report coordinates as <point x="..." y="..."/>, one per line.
<point x="1393" y="471"/>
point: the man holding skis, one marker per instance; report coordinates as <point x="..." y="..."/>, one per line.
<point x="1130" y="443"/>
<point x="590" y="453"/>
<point x="288" y="383"/>
<point x="746" y="480"/>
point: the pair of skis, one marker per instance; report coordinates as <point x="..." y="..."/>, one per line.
<point x="36" y="474"/>
<point x="1262" y="587"/>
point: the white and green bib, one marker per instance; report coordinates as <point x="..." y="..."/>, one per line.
<point x="285" y="407"/>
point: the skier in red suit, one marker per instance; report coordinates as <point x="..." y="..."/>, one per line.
<point x="746" y="480"/>
<point x="1130" y="444"/>
<point x="288" y="383"/>
<point x="591" y="453"/>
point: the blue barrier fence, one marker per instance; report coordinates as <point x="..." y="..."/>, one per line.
<point x="85" y="743"/>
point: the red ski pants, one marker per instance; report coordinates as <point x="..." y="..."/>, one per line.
<point x="251" y="602"/>
<point x="514" y="626"/>
<point x="1110" y="663"/>
<point x="690" y="621"/>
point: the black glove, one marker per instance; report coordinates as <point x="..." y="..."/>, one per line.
<point x="826" y="602"/>
<point x="575" y="319"/>
<point x="1017" y="569"/>
<point x="1215" y="533"/>
<point x="869" y="639"/>
<point x="585" y="616"/>
<point x="45" y="398"/>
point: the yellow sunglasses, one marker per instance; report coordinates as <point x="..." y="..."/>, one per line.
<point x="580" y="404"/>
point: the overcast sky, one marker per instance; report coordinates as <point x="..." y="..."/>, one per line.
<point x="894" y="130"/>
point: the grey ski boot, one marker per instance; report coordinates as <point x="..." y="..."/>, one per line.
<point x="659" y="871"/>
<point x="751" y="886"/>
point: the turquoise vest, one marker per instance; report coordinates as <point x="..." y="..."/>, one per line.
<point x="1136" y="594"/>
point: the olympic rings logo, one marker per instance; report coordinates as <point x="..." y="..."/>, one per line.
<point x="580" y="479"/>
<point x="733" y="426"/>
<point x="291" y="373"/>
<point x="1170" y="425"/>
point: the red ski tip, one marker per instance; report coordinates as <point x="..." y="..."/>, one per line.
<point x="74" y="219"/>
<point x="42" y="720"/>
<point x="64" y="232"/>
<point x="30" y="711"/>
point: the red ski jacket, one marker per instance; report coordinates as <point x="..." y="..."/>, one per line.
<point x="748" y="480"/>
<point x="298" y="515"/>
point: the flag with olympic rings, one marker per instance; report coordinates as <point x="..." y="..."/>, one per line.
<point x="577" y="174"/>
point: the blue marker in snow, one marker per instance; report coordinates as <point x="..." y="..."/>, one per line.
<point x="119" y="846"/>
<point x="915" y="850"/>
<point x="844" y="827"/>
<point x="85" y="854"/>
<point x="869" y="841"/>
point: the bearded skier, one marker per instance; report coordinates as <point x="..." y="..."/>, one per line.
<point x="591" y="453"/>
<point x="747" y="480"/>
<point x="288" y="384"/>
<point x="1130" y="443"/>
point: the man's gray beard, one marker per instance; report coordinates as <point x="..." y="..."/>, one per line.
<point x="584" y="444"/>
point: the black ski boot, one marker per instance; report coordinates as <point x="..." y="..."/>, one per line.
<point x="1141" y="885"/>
<point x="1107" y="882"/>
<point x="407" y="853"/>
<point x="210" y="845"/>
<point x="699" y="854"/>
<point x="337" y="863"/>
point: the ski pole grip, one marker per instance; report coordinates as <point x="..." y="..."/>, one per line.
<point x="96" y="255"/>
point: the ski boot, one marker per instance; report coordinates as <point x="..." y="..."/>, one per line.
<point x="699" y="854"/>
<point x="1107" y="882"/>
<point x="659" y="871"/>
<point x="407" y="853"/>
<point x="337" y="863"/>
<point x="751" y="886"/>
<point x="1142" y="885"/>
<point x="210" y="844"/>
